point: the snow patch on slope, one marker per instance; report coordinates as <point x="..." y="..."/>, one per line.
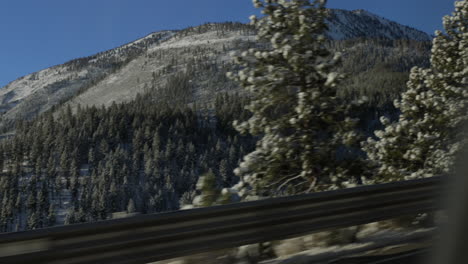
<point x="200" y="39"/>
<point x="140" y="74"/>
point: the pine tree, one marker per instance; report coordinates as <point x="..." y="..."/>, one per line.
<point x="294" y="104"/>
<point x="51" y="218"/>
<point x="131" y="206"/>
<point x="51" y="169"/>
<point x="70" y="217"/>
<point x="91" y="158"/>
<point x="65" y="167"/>
<point x="5" y="211"/>
<point x="80" y="216"/>
<point x="74" y="180"/>
<point x="224" y="173"/>
<point x="430" y="131"/>
<point x="207" y="190"/>
<point x="43" y="202"/>
<point x="33" y="221"/>
<point x="114" y="200"/>
<point x="31" y="200"/>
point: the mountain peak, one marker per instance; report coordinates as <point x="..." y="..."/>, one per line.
<point x="360" y="23"/>
<point x="362" y="12"/>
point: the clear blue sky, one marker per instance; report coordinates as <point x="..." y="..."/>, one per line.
<point x="36" y="34"/>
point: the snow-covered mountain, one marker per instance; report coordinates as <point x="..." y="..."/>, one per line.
<point x="37" y="92"/>
<point x="344" y="24"/>
<point x="120" y="74"/>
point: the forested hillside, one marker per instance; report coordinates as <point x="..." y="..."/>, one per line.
<point x="146" y="155"/>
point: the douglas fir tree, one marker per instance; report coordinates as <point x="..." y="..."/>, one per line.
<point x="430" y="130"/>
<point x="306" y="131"/>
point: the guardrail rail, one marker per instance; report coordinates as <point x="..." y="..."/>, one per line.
<point x="154" y="237"/>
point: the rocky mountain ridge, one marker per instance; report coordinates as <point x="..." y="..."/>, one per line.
<point x="118" y="75"/>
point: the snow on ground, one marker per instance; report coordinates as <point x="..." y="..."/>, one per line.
<point x="382" y="241"/>
<point x="137" y="75"/>
<point x="23" y="87"/>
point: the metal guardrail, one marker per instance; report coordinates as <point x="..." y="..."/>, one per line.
<point x="147" y="238"/>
